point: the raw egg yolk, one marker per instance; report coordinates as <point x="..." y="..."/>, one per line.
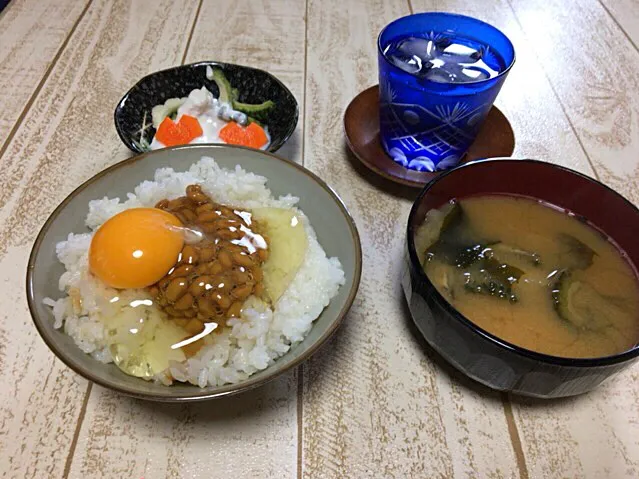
<point x="135" y="248"/>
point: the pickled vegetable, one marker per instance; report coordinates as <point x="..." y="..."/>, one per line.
<point x="168" y="109"/>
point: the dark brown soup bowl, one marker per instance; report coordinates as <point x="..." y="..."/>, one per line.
<point x="476" y="352"/>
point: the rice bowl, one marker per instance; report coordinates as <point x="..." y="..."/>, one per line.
<point x="253" y="342"/>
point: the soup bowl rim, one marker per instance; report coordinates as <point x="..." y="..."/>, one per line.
<point x="461" y="318"/>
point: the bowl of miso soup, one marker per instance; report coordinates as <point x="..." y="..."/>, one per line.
<point x="524" y="276"/>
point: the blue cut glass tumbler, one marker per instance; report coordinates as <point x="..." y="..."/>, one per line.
<point x="439" y="74"/>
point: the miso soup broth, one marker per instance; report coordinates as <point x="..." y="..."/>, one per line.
<point x="532" y="275"/>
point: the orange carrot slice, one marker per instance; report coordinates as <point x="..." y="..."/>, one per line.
<point x="171" y="133"/>
<point x="253" y="135"/>
<point x="192" y="125"/>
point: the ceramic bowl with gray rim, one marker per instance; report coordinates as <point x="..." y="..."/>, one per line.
<point x="133" y="113"/>
<point x="336" y="232"/>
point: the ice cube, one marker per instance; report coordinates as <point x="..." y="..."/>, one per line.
<point x="474" y="74"/>
<point x="459" y="53"/>
<point x="408" y="64"/>
<point x="440" y="59"/>
<point x="413" y="55"/>
<point x="441" y="75"/>
<point x="423" y="48"/>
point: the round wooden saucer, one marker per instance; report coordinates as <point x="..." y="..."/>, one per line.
<point x="361" y="124"/>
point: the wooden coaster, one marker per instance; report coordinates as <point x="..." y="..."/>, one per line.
<point x="361" y="124"/>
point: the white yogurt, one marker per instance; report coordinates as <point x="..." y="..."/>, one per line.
<point x="212" y="116"/>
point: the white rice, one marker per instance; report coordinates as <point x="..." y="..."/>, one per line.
<point x="254" y="341"/>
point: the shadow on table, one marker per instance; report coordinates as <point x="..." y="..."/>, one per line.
<point x="250" y="407"/>
<point x="379" y="182"/>
<point x="292" y="145"/>
<point x="438" y="360"/>
<point x="469" y="383"/>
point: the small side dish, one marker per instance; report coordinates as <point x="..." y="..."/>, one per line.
<point x="201" y="277"/>
<point x="202" y="118"/>
<point x="251" y="103"/>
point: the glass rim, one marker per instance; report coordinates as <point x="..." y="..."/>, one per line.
<point x="446" y="14"/>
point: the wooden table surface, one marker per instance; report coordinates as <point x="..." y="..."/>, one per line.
<point x="372" y="403"/>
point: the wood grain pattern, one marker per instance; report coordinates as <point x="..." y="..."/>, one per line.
<point x="53" y="150"/>
<point x="252" y="435"/>
<point x="626" y="14"/>
<point x="542" y="130"/>
<point x="72" y="117"/>
<point x="375" y="405"/>
<point x="40" y="397"/>
<point x="128" y="438"/>
<point x="376" y="402"/>
<point x="597" y="89"/>
<point x="265" y="34"/>
<point x="31" y="34"/>
<point x="595" y="435"/>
